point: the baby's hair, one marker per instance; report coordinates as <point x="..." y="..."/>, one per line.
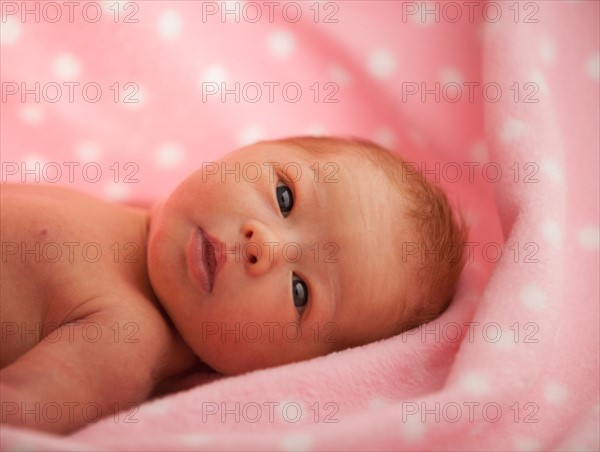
<point x="439" y="234"/>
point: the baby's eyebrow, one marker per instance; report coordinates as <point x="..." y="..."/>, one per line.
<point x="315" y="191"/>
<point x="327" y="250"/>
<point x="332" y="298"/>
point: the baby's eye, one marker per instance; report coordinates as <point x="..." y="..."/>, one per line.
<point x="300" y="293"/>
<point x="285" y="199"/>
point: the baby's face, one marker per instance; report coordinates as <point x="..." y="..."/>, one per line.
<point x="304" y="254"/>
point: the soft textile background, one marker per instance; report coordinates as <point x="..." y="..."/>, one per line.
<point x="371" y="60"/>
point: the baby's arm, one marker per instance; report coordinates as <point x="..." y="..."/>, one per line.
<point x="60" y="385"/>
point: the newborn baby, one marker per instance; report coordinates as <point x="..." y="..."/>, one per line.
<point x="283" y="251"/>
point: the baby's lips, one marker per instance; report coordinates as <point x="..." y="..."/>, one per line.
<point x="218" y="248"/>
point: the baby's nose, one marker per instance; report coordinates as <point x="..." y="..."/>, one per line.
<point x="260" y="247"/>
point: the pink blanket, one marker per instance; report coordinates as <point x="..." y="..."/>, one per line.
<point x="499" y="101"/>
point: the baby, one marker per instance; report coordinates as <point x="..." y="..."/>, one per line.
<point x="281" y="252"/>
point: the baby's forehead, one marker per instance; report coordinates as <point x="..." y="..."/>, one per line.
<point x="336" y="153"/>
<point x="343" y="170"/>
<point x="315" y="147"/>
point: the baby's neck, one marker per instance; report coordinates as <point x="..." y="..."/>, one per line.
<point x="180" y="358"/>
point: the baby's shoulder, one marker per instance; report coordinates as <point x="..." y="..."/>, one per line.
<point x="48" y="208"/>
<point x="74" y="254"/>
<point x="46" y="199"/>
<point x="48" y="192"/>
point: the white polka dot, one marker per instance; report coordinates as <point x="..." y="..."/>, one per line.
<point x="547" y="50"/>
<point x="381" y="64"/>
<point x="339" y="75"/>
<point x="532" y="297"/>
<point x="505" y="343"/>
<point x="134" y="97"/>
<point x="169" y="155"/>
<point x="10" y="31"/>
<point x="540" y="83"/>
<point x="117" y="192"/>
<point x="552" y="171"/>
<point x="215" y="73"/>
<point x="385" y="137"/>
<point x="33" y="160"/>
<point x="66" y="66"/>
<point x="419" y="15"/>
<point x="512" y="129"/>
<point x="377" y="402"/>
<point x="296" y="442"/>
<point x="31" y="114"/>
<point x="169" y="25"/>
<point x="551" y="232"/>
<point x="115" y="9"/>
<point x="474" y="383"/>
<point x="156" y="408"/>
<point x="291" y="409"/>
<point x="195" y="439"/>
<point x="412" y="428"/>
<point x="281" y="44"/>
<point x="316" y="130"/>
<point x="479" y="151"/>
<point x="88" y="151"/>
<point x="250" y="134"/>
<point x="592" y="66"/>
<point x="555" y="393"/>
<point x="450" y="75"/>
<point x="231" y="11"/>
<point x="588" y="237"/>
<point x="524" y="444"/>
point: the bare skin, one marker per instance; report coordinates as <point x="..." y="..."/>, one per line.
<point x="64" y="323"/>
<point x="81" y="329"/>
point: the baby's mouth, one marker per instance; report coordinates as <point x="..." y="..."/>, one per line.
<point x="202" y="260"/>
<point x="209" y="259"/>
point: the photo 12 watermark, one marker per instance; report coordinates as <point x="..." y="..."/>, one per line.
<point x="473" y="171"/>
<point x="490" y="332"/>
<point x="270" y="332"/>
<point x="90" y="92"/>
<point x="252" y="172"/>
<point x="70" y="11"/>
<point x="469" y="11"/>
<point x="90" y="332"/>
<point x="455" y="92"/>
<point x="269" y="412"/>
<point x="55" y="412"/>
<point x="68" y="252"/>
<point x="491" y="252"/>
<point x="325" y="12"/>
<point x="469" y="411"/>
<point x="71" y="172"/>
<point x="272" y="251"/>
<point x="270" y="92"/>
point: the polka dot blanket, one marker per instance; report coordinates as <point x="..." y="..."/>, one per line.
<point x="497" y="101"/>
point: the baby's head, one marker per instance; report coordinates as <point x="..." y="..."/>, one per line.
<point x="319" y="244"/>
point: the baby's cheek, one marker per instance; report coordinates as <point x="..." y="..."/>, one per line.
<point x="232" y="352"/>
